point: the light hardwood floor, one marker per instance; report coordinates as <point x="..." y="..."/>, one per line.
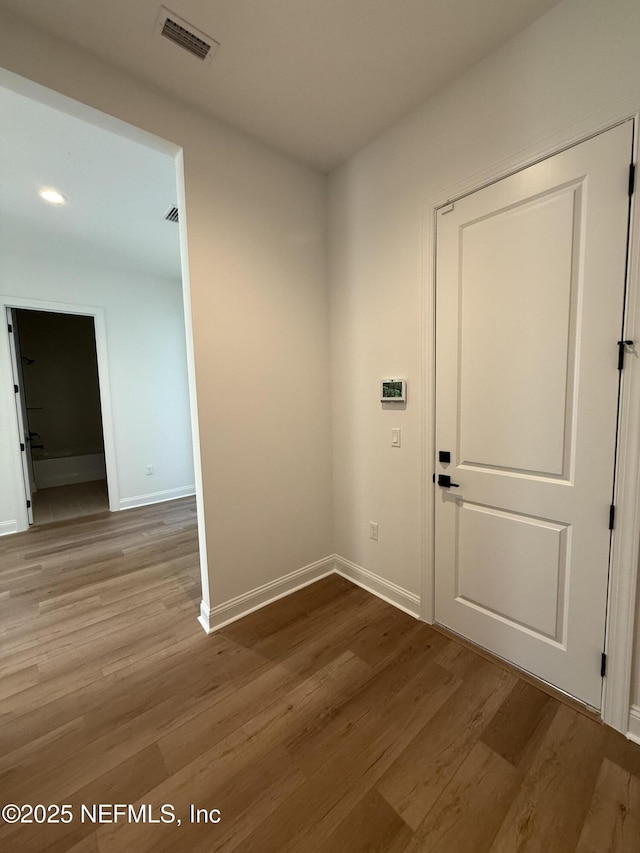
<point x="328" y="721"/>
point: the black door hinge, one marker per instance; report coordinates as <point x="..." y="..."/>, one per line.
<point x="22" y="447"/>
<point x="28" y="504"/>
<point x="622" y="346"/>
<point x="10" y="327"/>
<point x="15" y="389"/>
<point x="603" y="665"/>
<point x="632" y="178"/>
<point x="612" y="516"/>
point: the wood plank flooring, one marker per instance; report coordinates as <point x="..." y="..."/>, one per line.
<point x="59" y="503"/>
<point x="328" y="721"/>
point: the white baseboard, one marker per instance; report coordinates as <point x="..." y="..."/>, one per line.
<point x="205" y="618"/>
<point x="7" y="527"/>
<point x="634" y="724"/>
<point x="217" y="617"/>
<point x="382" y="588"/>
<point x="157" y="497"/>
<point x="64" y="470"/>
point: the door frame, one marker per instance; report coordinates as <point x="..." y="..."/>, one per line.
<point x="15" y="357"/>
<point x="97" y="312"/>
<point x="621" y="608"/>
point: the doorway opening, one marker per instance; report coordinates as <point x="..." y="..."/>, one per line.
<point x="58" y="404"/>
<point x="105" y="251"/>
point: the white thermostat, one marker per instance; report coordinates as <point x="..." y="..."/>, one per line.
<point x="393" y="391"/>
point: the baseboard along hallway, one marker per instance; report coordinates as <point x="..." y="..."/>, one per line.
<point x="328" y="721"/>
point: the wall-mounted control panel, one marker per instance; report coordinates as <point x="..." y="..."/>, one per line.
<point x="393" y="391"/>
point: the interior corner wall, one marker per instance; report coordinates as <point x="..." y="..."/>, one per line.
<point x="555" y="79"/>
<point x="255" y="221"/>
<point x="147" y="365"/>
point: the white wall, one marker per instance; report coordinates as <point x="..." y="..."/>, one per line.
<point x="562" y="76"/>
<point x="257" y="264"/>
<point x="146" y="362"/>
<point x="256" y="238"/>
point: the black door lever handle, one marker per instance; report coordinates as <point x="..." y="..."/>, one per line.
<point x="444" y="481"/>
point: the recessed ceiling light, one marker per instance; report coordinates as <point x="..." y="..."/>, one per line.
<point x="52" y="196"/>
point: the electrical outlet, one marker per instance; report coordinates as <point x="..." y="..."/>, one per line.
<point x="150" y="470"/>
<point x="373" y="530"/>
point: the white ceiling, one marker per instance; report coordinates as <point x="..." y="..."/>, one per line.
<point x="317" y="79"/>
<point x="117" y="192"/>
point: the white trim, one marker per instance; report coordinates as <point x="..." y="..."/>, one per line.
<point x="110" y="458"/>
<point x="616" y="697"/>
<point x="633" y="732"/>
<point x="213" y="618"/>
<point x="390" y="592"/>
<point x="157" y="497"/>
<point x="7" y="527"/>
<point x="427" y="413"/>
<point x="191" y="380"/>
<point x="26" y="478"/>
<point x="205" y="617"/>
<point x="626" y="541"/>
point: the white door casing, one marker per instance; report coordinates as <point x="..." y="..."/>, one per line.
<point x="21" y="412"/>
<point x="529" y="300"/>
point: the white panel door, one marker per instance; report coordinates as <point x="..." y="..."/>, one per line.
<point x="529" y="305"/>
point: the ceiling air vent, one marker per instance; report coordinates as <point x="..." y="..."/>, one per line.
<point x="185" y="35"/>
<point x="172" y="214"/>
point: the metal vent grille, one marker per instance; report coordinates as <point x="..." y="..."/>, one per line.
<point x="172" y="214"/>
<point x="182" y="33"/>
<point x="186" y="39"/>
